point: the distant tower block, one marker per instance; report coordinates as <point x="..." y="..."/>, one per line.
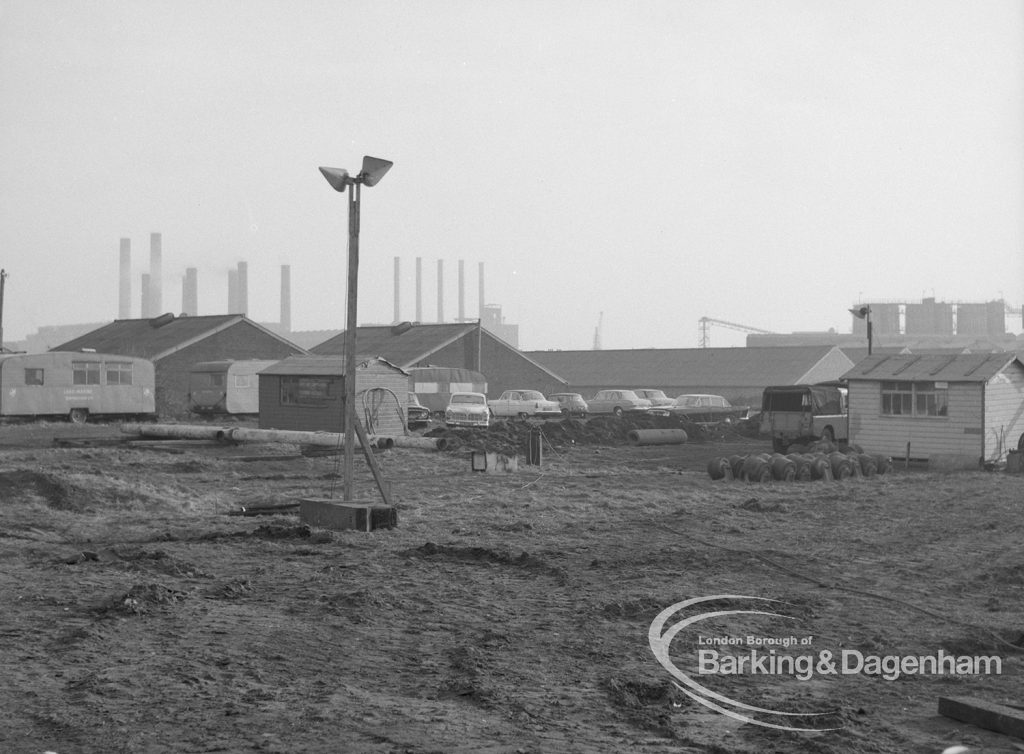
<point x="124" y="290"/>
<point x="440" y="290"/>
<point x="232" y="291"/>
<point x="190" y="292"/>
<point x="156" y="303"/>
<point x="398" y="279"/>
<point x="286" y="298"/>
<point x="243" y="288"/>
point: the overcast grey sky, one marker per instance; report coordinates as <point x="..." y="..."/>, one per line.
<point x="765" y="163"/>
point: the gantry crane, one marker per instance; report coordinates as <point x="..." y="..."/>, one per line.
<point x="704" y="325"/>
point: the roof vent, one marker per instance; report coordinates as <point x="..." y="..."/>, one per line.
<point x="163" y="319"/>
<point x="401" y="327"/>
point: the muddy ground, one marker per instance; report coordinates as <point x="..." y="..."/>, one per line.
<point x="505" y="613"/>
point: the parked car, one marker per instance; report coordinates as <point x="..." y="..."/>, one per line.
<point x="572" y="403"/>
<point x="702" y="408"/>
<point x="617" y="402"/>
<point x="416" y="414"/>
<point x="522" y="404"/>
<point x="467" y="410"/>
<point x="656" y="397"/>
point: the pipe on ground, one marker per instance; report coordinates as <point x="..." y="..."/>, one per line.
<point x="656" y="436"/>
<point x="235" y="434"/>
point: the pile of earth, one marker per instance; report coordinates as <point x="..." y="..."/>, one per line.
<point x="511" y="437"/>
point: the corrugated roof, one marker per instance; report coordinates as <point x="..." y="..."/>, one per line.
<point x="154" y="338"/>
<point x="970" y="367"/>
<point x="400" y="345"/>
<point x="737" y="367"/>
<point x="321" y="366"/>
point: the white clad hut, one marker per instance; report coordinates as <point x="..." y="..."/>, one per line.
<point x="926" y="405"/>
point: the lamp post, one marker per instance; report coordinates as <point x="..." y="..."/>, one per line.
<point x="339" y="178"/>
<point x="864" y="312"/>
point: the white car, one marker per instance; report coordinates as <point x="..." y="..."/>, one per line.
<point x="524" y="403"/>
<point x="467" y="410"/>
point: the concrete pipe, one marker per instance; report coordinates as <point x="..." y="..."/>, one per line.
<point x="174" y="431"/>
<point x="656" y="436"/>
<point x="423" y="443"/>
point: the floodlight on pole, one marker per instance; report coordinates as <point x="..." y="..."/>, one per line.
<point x="864" y="312"/>
<point x="373" y="170"/>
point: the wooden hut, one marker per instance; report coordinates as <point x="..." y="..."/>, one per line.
<point x="306" y="392"/>
<point x="926" y="405"/>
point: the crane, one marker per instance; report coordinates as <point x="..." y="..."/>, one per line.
<point x="597" y="332"/>
<point x="704" y="324"/>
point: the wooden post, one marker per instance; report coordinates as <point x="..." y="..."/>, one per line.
<point x="906" y="458"/>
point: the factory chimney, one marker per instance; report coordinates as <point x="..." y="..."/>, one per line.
<point x="233" y="291"/>
<point x="398" y="278"/>
<point x="243" y="288"/>
<point x="440" y="290"/>
<point x="419" y="289"/>
<point x="145" y="305"/>
<point x="462" y="290"/>
<point x="286" y="298"/>
<point x="156" y="303"/>
<point x="124" y="291"/>
<point x="480" y="295"/>
<point x="190" y="292"/>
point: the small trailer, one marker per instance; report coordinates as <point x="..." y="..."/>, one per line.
<point x="229" y="387"/>
<point x="76" y="385"/>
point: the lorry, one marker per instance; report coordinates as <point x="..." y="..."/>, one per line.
<point x="76" y="385"/>
<point x="803" y="414"/>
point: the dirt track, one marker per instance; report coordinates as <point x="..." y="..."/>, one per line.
<point x="506" y="613"/>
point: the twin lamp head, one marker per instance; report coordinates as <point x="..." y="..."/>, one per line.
<point x="373" y="170"/>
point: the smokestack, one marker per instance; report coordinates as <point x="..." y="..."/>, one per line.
<point x="462" y="290"/>
<point x="286" y="298"/>
<point x="124" y="291"/>
<point x="156" y="304"/>
<point x="190" y="292"/>
<point x="419" y="289"/>
<point x="440" y="290"/>
<point x="398" y="278"/>
<point x="233" y="291"/>
<point x="480" y="295"/>
<point x="145" y="307"/>
<point x="243" y="288"/>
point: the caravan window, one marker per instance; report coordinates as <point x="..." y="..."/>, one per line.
<point x="85" y="372"/>
<point x="33" y="376"/>
<point x="242" y="380"/>
<point x="119" y="372"/>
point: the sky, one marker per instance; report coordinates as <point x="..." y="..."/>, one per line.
<point x="635" y="164"/>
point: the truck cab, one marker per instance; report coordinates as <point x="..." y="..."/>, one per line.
<point x="804" y="414"/>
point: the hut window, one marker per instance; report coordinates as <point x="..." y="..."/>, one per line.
<point x="930" y="400"/>
<point x="897" y="398"/>
<point x="306" y="391"/>
<point x="33" y="376"/>
<point x="119" y="372"/>
<point x="914" y="399"/>
<point x="85" y="372"/>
